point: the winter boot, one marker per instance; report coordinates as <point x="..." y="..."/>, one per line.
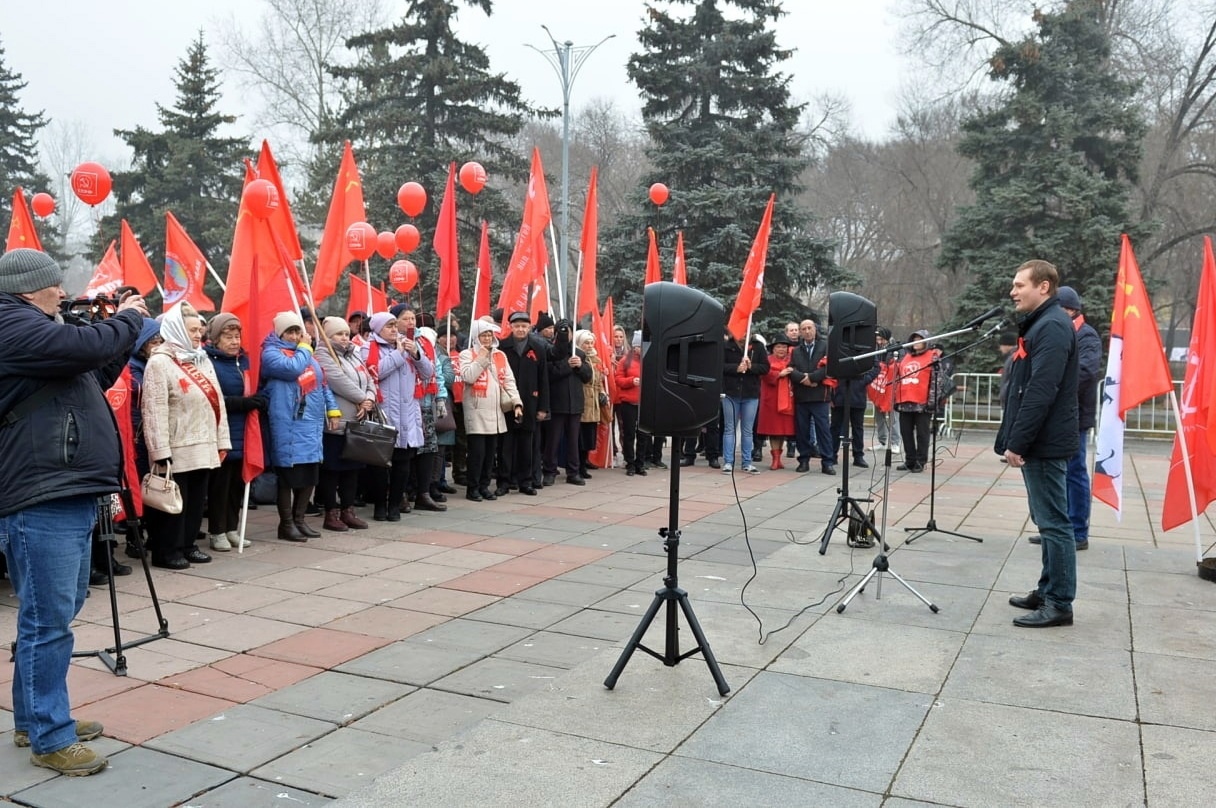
<point x="300" y="499"/>
<point x="287" y="526"/>
<point x="333" y="521"/>
<point x="776" y="455"/>
<point x="347" y="515"/>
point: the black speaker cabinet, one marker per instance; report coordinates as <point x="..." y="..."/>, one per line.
<point x="682" y="359"/>
<point x="852" y="321"/>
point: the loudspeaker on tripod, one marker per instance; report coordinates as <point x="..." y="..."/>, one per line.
<point x="682" y="359"/>
<point x="852" y="321"/>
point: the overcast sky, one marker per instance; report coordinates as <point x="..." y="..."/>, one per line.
<point x="108" y="62"/>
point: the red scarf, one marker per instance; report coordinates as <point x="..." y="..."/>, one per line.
<point x="482" y="385"/>
<point x="422" y="389"/>
<point x="195" y="375"/>
<point x="373" y="366"/>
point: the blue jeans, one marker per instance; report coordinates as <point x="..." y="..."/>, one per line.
<point x="1047" y="494"/>
<point x="1078" y="491"/>
<point x="48" y="549"/>
<point x="740" y="412"/>
<point x="818" y="430"/>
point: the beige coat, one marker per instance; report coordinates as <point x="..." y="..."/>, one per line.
<point x="591" y="392"/>
<point x="483" y="415"/>
<point x="348" y="379"/>
<point x="179" y="421"/>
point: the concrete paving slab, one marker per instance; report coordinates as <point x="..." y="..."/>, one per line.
<point x="338" y="698"/>
<point x="681" y="781"/>
<point x="1027" y="672"/>
<point x="1029" y="757"/>
<point x="429" y="716"/>
<point x="341" y="762"/>
<point x="1179" y="590"/>
<point x="603" y="625"/>
<point x="893" y="656"/>
<point x="554" y="649"/>
<point x="242" y="738"/>
<point x="523" y="613"/>
<point x="1162" y="699"/>
<point x="505" y="765"/>
<point x="135" y="778"/>
<point x="249" y="792"/>
<point x="1178" y="767"/>
<point x="499" y="679"/>
<point x="845" y="734"/>
<point x="410" y="663"/>
<point x="463" y="633"/>
<point x="1100" y="624"/>
<point x="1167" y="630"/>
<point x="571" y="593"/>
<point x="604" y="573"/>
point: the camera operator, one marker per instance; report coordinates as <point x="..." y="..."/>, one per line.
<point x="58" y="453"/>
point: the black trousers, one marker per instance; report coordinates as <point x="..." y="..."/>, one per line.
<point x="857" y="430"/>
<point x="914" y="431"/>
<point x="225" y="491"/>
<point x="338" y="488"/>
<point x="515" y="457"/>
<point x="481" y="460"/>
<point x="634" y="444"/>
<point x="562" y="431"/>
<point x="170" y="535"/>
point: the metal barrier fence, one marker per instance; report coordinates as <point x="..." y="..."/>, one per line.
<point x="978" y="403"/>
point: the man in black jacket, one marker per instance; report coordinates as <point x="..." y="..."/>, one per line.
<point x="812" y="398"/>
<point x="569" y="370"/>
<point x="527" y="354"/>
<point x="1039" y="434"/>
<point x="59" y="452"/>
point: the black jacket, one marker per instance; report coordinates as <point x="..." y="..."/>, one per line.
<point x="808" y="362"/>
<point x="858" y="400"/>
<point x="566" y="383"/>
<point x="1089" y="370"/>
<point x="68" y="446"/>
<point x="528" y="360"/>
<point x="1040" y="418"/>
<point x="743" y="385"/>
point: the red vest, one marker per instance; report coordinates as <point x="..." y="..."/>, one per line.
<point x="915" y="377"/>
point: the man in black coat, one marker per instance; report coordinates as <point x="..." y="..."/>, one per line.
<point x="59" y="453"/>
<point x="569" y="370"/>
<point x="527" y="354"/>
<point x="812" y="398"/>
<point x="1038" y="434"/>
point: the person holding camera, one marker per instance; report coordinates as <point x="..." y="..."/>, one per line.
<point x="568" y="372"/>
<point x="59" y="452"/>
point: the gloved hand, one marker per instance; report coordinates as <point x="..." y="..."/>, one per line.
<point x="257" y="401"/>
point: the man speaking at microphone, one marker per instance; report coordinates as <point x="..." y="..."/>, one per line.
<point x="1039" y="434"/>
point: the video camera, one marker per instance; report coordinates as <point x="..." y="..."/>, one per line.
<point x="85" y="310"/>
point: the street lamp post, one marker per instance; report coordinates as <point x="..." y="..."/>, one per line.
<point x="567" y="59"/>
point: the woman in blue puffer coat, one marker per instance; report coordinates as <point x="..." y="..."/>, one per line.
<point x="300" y="407"/>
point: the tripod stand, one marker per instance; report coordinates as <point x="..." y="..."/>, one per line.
<point x="671" y="596"/>
<point x="931" y="525"/>
<point x="847" y="507"/>
<point x="114" y="658"/>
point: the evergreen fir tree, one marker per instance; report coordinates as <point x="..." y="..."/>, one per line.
<point x="18" y="142"/>
<point x="187" y="167"/>
<point x="1055" y="160"/>
<point x="724" y="136"/>
<point x="420" y="99"/>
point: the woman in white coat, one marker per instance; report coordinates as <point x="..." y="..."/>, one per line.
<point x="489" y="393"/>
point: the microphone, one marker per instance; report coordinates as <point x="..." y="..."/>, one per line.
<point x="988" y="315"/>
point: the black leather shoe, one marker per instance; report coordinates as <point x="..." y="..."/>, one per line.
<point x="502" y="491"/>
<point x="174" y="563"/>
<point x="1045" y="616"/>
<point x="528" y="491"/>
<point x="473" y="496"/>
<point x="905" y="467"/>
<point x="584" y="475"/>
<point x="917" y="469"/>
<point x="861" y="463"/>
<point x="1031" y="600"/>
<point x="1035" y="539"/>
<point x="196" y="556"/>
<point x="487" y="494"/>
<point x="639" y="470"/>
<point x="447" y="488"/>
<point x="134" y="551"/>
<point x="548" y="480"/>
<point x="392" y="515"/>
<point x="1081" y="545"/>
<point x="830" y="470"/>
<point x="380" y="513"/>
<point x="574" y="479"/>
<point x="629" y="471"/>
<point x="98" y="578"/>
<point x="803" y="468"/>
<point x="715" y="463"/>
<point x="686" y="461"/>
<point x="657" y="464"/>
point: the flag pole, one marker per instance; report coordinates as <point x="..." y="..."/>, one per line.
<point x="557" y="273"/>
<point x="1180" y="434"/>
<point x="367" y="276"/>
<point x="218" y="279"/>
<point x="578" y="280"/>
<point x="240" y="545"/>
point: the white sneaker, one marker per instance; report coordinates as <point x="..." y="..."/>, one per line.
<point x="879" y="446"/>
<point x="219" y="542"/>
<point x="751" y="469"/>
<point x="727" y="470"/>
<point x="895" y="449"/>
<point x="234" y="539"/>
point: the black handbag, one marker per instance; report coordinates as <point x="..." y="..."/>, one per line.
<point x="370" y="441"/>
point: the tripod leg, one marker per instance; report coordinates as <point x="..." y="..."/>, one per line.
<point x="911" y="589"/>
<point x="118" y="664"/>
<point x="635" y="640"/>
<point x="703" y="644"/>
<point x="861" y="585"/>
<point x="832" y="522"/>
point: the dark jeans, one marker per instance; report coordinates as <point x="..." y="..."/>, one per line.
<point x="225" y="491"/>
<point x="914" y="432"/>
<point x="1078" y="491"/>
<point x="1047" y="496"/>
<point x="171" y="535"/>
<point x="813" y="431"/>
<point x="857" y="430"/>
<point x="562" y="425"/>
<point x="634" y="444"/>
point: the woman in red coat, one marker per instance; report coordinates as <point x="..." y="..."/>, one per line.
<point x="774" y="389"/>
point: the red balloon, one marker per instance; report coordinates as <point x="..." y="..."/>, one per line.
<point x="43" y="204"/>
<point x="412" y="198"/>
<point x="658" y="193"/>
<point x="472" y="177"/>
<point x="408" y="238"/>
<point x="91" y="182"/>
<point x="261" y="198"/>
<point x="386" y="245"/>
<point x="403" y="275"/>
<point x="361" y="240"/>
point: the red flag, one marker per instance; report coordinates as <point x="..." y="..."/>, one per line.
<point x="280" y="218"/>
<point x="1198" y="409"/>
<point x="529" y="259"/>
<point x="260" y="323"/>
<point x="21" y="232"/>
<point x="185" y="268"/>
<point x="108" y="275"/>
<point x="654" y="273"/>
<point x="255" y="241"/>
<point x="1135" y="345"/>
<point x="136" y="271"/>
<point x="602" y="327"/>
<point x="119" y="399"/>
<point x="679" y="271"/>
<point x="345" y="208"/>
<point x="359" y="291"/>
<point x="588" y="290"/>
<point x="753" y="277"/>
<point x="485" y="272"/>
<point x="446" y="249"/>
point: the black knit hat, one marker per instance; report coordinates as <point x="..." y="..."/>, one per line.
<point x="544" y="320"/>
<point x="25" y="270"/>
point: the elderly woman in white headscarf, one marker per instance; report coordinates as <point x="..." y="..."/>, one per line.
<point x="489" y="392"/>
<point x="186" y="430"/>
